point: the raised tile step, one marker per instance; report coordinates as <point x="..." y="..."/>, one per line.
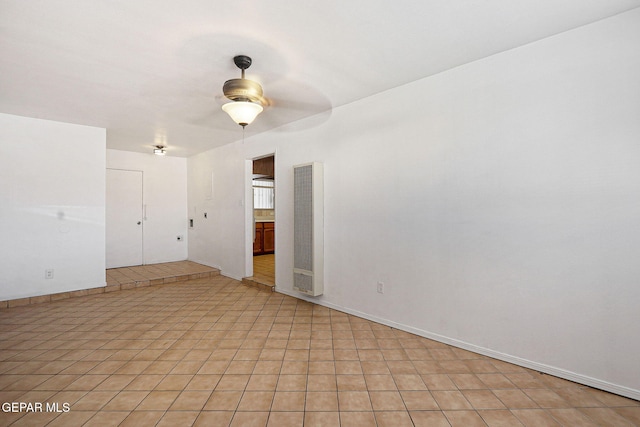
<point x="111" y="286"/>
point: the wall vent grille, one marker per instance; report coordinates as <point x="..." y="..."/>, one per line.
<point x="308" y="229"/>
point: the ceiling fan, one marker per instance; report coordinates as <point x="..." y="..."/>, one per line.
<point x="247" y="100"/>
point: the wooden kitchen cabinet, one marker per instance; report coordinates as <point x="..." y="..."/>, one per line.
<point x="257" y="241"/>
<point x="265" y="240"/>
<point x="269" y="237"/>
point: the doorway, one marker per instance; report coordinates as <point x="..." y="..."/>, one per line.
<point x="264" y="220"/>
<point x="124" y="218"/>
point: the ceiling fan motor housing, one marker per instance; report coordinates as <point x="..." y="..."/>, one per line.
<point x="243" y="89"/>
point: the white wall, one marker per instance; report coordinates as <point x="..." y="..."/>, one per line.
<point x="217" y="188"/>
<point x="165" y="196"/>
<point x="498" y="202"/>
<point x="52" y="212"/>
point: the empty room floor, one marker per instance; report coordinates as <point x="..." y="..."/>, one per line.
<point x="213" y="352"/>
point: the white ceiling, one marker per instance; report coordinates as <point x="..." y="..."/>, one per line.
<point x="151" y="71"/>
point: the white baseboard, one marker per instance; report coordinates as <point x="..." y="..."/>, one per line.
<point x="540" y="367"/>
<point x="225" y="274"/>
<point x="208" y="264"/>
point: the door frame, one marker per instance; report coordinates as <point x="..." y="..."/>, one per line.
<point x="248" y="212"/>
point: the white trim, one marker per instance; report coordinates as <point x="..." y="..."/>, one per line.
<point x="208" y="264"/>
<point x="225" y="274"/>
<point x="540" y="367"/>
<point x="249" y="224"/>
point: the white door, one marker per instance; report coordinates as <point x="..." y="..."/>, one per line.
<point x="124" y="218"/>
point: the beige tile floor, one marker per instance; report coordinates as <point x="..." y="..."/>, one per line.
<point x="212" y="352"/>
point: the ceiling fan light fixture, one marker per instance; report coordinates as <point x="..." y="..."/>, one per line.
<point x="159" y="150"/>
<point x="242" y="112"/>
<point x="245" y="95"/>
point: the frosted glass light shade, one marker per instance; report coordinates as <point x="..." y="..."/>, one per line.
<point x="242" y="112"/>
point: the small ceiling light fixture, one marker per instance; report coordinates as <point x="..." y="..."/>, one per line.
<point x="159" y="150"/>
<point x="245" y="95"/>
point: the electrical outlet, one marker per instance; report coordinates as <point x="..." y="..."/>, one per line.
<point x="380" y="288"/>
<point x="48" y="273"/>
